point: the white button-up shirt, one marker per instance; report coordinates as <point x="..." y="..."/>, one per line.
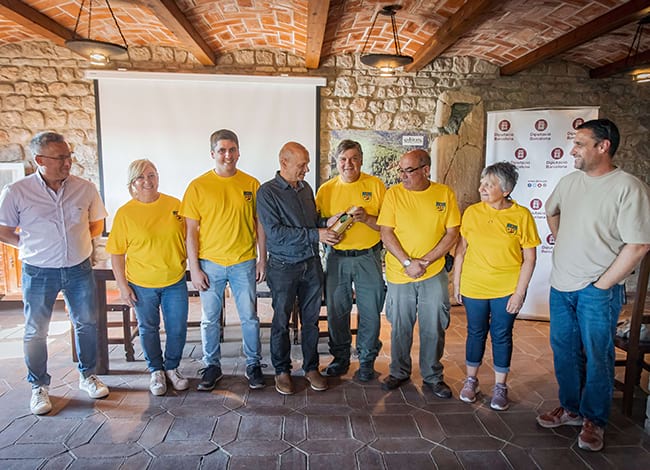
<point x="54" y="226"/>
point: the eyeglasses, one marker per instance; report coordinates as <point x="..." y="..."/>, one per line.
<point x="408" y="171"/>
<point x="60" y="158"/>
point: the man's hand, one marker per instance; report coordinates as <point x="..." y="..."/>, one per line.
<point x="260" y="270"/>
<point x="332" y="220"/>
<point x="359" y="214"/>
<point x="417" y="268"/>
<point x="329" y="237"/>
<point x="200" y="280"/>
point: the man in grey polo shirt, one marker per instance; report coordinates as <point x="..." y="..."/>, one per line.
<point x="57" y="215"/>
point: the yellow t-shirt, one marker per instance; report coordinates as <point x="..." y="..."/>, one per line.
<point x="225" y="209"/>
<point x="495" y="239"/>
<point x="152" y="236"/>
<point x="336" y="196"/>
<point x="420" y="220"/>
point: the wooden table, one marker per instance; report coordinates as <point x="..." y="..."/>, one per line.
<point x="102" y="273"/>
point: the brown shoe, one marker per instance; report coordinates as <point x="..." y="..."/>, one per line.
<point x="283" y="383"/>
<point x="317" y="381"/>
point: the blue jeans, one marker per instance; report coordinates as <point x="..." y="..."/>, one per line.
<point x="485" y="315"/>
<point x="427" y="302"/>
<point x="583" y="325"/>
<point x="287" y="281"/>
<point x="174" y="304"/>
<point x="40" y="288"/>
<point x="241" y="277"/>
<point x="364" y="272"/>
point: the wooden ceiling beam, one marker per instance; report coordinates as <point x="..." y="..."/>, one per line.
<point x="629" y="64"/>
<point x="317" y="13"/>
<point x="461" y="22"/>
<point x="173" y="18"/>
<point x="627" y="13"/>
<point x="35" y="21"/>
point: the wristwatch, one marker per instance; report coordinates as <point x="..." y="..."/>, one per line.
<point x="406" y="263"/>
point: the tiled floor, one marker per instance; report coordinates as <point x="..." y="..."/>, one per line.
<point x="350" y="426"/>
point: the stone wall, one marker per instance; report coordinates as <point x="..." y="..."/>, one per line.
<point x="42" y="87"/>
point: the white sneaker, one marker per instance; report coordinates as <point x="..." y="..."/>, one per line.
<point x="158" y="385"/>
<point x="40" y="402"/>
<point x="177" y="380"/>
<point x="93" y="386"/>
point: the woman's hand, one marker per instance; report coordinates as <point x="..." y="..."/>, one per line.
<point x="457" y="296"/>
<point x="127" y="296"/>
<point x="515" y="302"/>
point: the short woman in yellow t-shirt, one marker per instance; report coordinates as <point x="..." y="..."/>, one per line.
<point x="495" y="258"/>
<point x="147" y="247"/>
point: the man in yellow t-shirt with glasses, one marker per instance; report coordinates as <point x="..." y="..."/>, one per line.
<point x="356" y="259"/>
<point x="419" y="223"/>
<point x="222" y="235"/>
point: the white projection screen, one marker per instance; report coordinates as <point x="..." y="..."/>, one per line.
<point x="168" y="118"/>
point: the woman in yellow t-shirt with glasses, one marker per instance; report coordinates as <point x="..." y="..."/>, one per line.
<point x="147" y="247"/>
<point x="495" y="259"/>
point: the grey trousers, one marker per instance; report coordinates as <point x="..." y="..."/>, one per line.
<point x="428" y="302"/>
<point x="365" y="273"/>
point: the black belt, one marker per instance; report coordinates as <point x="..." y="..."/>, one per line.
<point x="377" y="247"/>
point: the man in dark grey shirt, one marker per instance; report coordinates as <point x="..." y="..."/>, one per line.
<point x="287" y="211"/>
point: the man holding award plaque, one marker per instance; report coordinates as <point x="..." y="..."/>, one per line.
<point x="354" y="261"/>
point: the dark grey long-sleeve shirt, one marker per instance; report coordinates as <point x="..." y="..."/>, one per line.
<point x="290" y="220"/>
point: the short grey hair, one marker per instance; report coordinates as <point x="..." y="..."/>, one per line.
<point x="43" y="139"/>
<point x="347" y="144"/>
<point x="505" y="172"/>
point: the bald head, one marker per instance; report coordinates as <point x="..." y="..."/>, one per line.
<point x="294" y="162"/>
<point x="415" y="167"/>
<point x="418" y="156"/>
<point x="292" y="150"/>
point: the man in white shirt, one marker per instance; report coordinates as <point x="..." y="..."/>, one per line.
<point x="51" y="217"/>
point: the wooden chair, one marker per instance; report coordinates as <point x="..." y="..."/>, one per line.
<point x="635" y="349"/>
<point x="129" y="331"/>
<point x="323" y="317"/>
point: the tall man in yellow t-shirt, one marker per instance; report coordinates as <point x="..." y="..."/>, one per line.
<point x="222" y="235"/>
<point x="419" y="223"/>
<point x="354" y="260"/>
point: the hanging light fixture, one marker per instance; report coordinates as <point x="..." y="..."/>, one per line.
<point x="99" y="52"/>
<point x="643" y="75"/>
<point x="386" y="63"/>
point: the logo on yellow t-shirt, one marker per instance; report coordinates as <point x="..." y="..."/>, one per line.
<point x="441" y="206"/>
<point x="248" y="196"/>
<point x="175" y="214"/>
<point x="366" y="196"/>
<point x="511" y="229"/>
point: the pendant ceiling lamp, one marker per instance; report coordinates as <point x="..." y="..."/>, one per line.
<point x="386" y="63"/>
<point x="98" y="52"/>
<point x="643" y="75"/>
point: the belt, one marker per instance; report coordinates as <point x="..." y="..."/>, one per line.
<point x="377" y="247"/>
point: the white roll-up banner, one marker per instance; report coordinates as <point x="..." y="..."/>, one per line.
<point x="538" y="142"/>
